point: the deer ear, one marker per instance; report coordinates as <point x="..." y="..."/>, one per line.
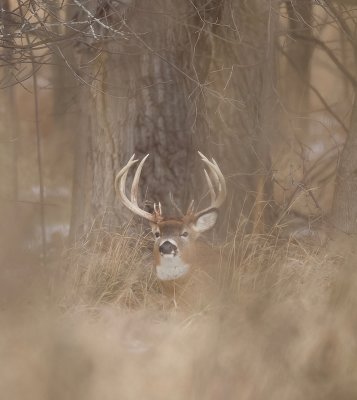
<point x="205" y="221"/>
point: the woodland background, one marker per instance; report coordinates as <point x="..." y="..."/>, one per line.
<point x="268" y="88"/>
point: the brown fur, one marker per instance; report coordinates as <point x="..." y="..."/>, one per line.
<point x="200" y="284"/>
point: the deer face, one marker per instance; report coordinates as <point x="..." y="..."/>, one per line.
<point x="174" y="248"/>
<point x="175" y="238"/>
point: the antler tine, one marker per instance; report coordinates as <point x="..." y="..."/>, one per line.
<point x="222" y="188"/>
<point x="178" y="209"/>
<point x="123" y="173"/>
<point x="135" y="185"/>
<point x="210" y="187"/>
<point x="219" y="180"/>
<point x="120" y="189"/>
<point x="158" y="210"/>
<point x="190" y="208"/>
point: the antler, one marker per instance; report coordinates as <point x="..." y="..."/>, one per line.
<point x="132" y="204"/>
<point x="216" y="199"/>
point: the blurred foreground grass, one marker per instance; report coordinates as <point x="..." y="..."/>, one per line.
<point x="97" y="326"/>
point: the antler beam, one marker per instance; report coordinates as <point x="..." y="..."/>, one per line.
<point x="215" y="180"/>
<point x="217" y="199"/>
<point x="132" y="204"/>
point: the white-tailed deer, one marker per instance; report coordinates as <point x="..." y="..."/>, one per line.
<point x="177" y="252"/>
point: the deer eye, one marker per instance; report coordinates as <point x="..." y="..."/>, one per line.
<point x="157" y="234"/>
<point x="184" y="234"/>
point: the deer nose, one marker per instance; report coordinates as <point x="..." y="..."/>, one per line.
<point x="168" y="248"/>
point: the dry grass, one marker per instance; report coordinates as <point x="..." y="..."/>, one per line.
<point x="283" y="328"/>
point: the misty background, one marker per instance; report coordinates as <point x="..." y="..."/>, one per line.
<point x="267" y="88"/>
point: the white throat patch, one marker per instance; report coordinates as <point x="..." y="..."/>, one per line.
<point x="171" y="267"/>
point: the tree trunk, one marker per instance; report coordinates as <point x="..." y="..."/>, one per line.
<point x="187" y="76"/>
<point x="344" y="209"/>
<point x="298" y="53"/>
<point x="10" y="122"/>
<point x="242" y="107"/>
<point x="141" y="100"/>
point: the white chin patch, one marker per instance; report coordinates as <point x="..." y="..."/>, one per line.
<point x="171" y="268"/>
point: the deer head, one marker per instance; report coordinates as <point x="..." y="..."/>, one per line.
<point x="175" y="238"/>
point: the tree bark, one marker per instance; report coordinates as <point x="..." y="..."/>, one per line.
<point x="10" y="126"/>
<point x="242" y="108"/>
<point x="344" y="209"/>
<point x="187" y="76"/>
<point x="298" y="51"/>
<point x="142" y="100"/>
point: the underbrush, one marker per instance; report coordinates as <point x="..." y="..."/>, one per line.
<point x="283" y="327"/>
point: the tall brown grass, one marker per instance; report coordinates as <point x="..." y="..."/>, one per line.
<point x="99" y="327"/>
